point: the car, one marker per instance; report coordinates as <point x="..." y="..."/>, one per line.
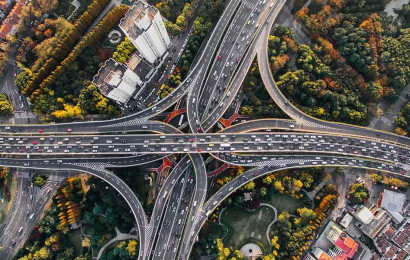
<point x="219" y="57"/>
<point x="69" y="130"/>
<point x="35" y="142"/>
<point x="199" y="150"/>
<point x="41" y="130"/>
<point x="191" y="140"/>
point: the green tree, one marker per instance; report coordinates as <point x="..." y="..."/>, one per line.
<point x="358" y="193"/>
<point x="23" y="78"/>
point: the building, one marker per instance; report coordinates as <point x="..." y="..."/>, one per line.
<point x="346" y="220"/>
<point x="393" y="202"/>
<point x="334" y="244"/>
<point x="13" y="17"/>
<point x="144" y="27"/>
<point x="116" y="81"/>
<point x="371" y="220"/>
<point x="402" y="237"/>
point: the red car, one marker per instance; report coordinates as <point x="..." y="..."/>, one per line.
<point x="69" y="130"/>
<point x="199" y="150"/>
<point x="41" y="130"/>
<point x="40" y="150"/>
<point x="191" y="140"/>
<point x="35" y="142"/>
<point x="219" y="57"/>
<point x="21" y="150"/>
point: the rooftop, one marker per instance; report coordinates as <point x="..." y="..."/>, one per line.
<point x="364" y="215"/>
<point x="135" y="15"/>
<point x="380" y="218"/>
<point x="140" y="67"/>
<point x="346" y="220"/>
<point x="393" y="201"/>
<point x="109" y="76"/>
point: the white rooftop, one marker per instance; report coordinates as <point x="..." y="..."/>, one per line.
<point x="346" y="220"/>
<point x="365" y="215"/>
<point x="393" y="201"/>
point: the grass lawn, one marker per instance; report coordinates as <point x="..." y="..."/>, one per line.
<point x="284" y="202"/>
<point x="247" y="224"/>
<point x="75" y="239"/>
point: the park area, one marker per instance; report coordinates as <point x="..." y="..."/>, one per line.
<point x="245" y="225"/>
<point x="284" y="202"/>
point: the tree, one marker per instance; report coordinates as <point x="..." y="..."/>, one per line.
<point x="279" y="187"/>
<point x="305" y="215"/>
<point x="6" y="108"/>
<point x="274" y="242"/>
<point x="44" y="253"/>
<point x="124" y="49"/>
<point x="132" y="248"/>
<point x="23" y="78"/>
<point x="250" y="185"/>
<point x="376" y="178"/>
<point x="246" y="110"/>
<point x="263" y="191"/>
<point x="223" y="252"/>
<point x="86" y="242"/>
<point x="39" y="180"/>
<point x="358" y="193"/>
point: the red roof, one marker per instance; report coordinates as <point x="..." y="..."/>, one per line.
<point x="17" y="9"/>
<point x="401" y="255"/>
<point x="3" y="4"/>
<point x="5" y="30"/>
<point x="348" y="245"/>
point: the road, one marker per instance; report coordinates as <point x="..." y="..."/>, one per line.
<point x="28" y="205"/>
<point x="212" y="85"/>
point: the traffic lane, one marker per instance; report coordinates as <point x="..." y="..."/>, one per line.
<point x="110" y="161"/>
<point x="14" y="220"/>
<point x="267" y="160"/>
<point x="199" y="196"/>
<point x="217" y="84"/>
<point x="195" y="88"/>
<point x="253" y="143"/>
<point x="234" y="87"/>
<point x="180" y="218"/>
<point x="171" y="212"/>
<point x="206" y="138"/>
<point x="163" y="195"/>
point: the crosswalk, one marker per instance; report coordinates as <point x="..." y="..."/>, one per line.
<point x="249" y="4"/>
<point x="272" y="163"/>
<point x="134" y="122"/>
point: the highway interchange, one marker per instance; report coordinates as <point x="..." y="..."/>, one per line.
<point x="213" y="83"/>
